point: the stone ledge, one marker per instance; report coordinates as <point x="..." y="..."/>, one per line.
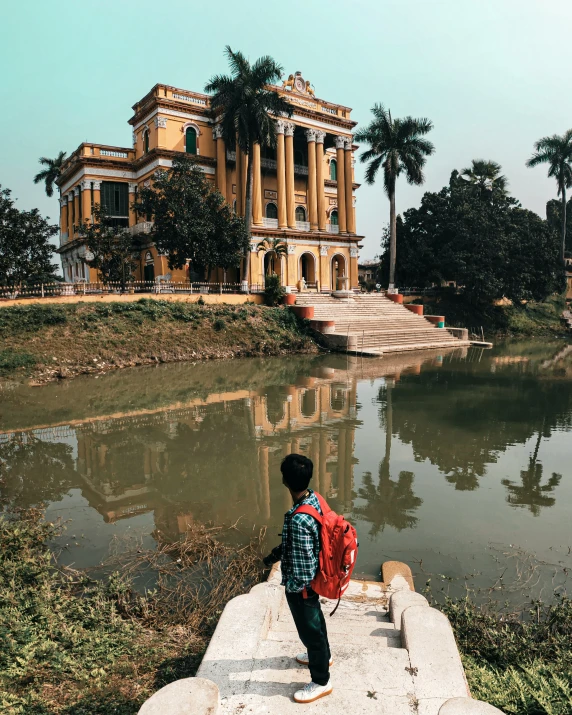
<point x="401" y="600"/>
<point x="397" y="575"/>
<point x="429" y="638"/>
<point x="182" y="697"/>
<point x="467" y="706"/>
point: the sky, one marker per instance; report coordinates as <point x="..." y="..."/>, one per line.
<point x="492" y="75"/>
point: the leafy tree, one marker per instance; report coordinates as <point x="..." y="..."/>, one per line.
<point x="191" y="220"/>
<point x="248" y="107"/>
<point x="49" y="175"/>
<point x="556" y="151"/>
<point x="399" y="146"/>
<point x="554" y="218"/>
<point x="25" y="248"/>
<point x="112" y="248"/>
<point x="491" y="249"/>
<point x="486" y="178"/>
<point x="275" y="249"/>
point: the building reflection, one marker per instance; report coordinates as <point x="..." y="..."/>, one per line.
<point x="216" y="458"/>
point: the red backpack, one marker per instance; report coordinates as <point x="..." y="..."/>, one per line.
<point x="338" y="551"/>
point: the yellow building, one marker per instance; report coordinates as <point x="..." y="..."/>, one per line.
<point x="303" y="191"/>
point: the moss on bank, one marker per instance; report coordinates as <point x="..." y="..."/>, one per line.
<point x="531" y="320"/>
<point x="73" y="646"/>
<point x="52" y="341"/>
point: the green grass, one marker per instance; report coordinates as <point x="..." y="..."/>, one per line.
<point x="73" y="646"/>
<point x="531" y="320"/>
<point x="51" y="341"/>
<point x="520" y="663"/>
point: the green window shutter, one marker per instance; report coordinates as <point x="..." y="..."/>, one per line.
<point x="146" y="141"/>
<point x="333" y="170"/>
<point x="191" y="140"/>
<point x="334" y="218"/>
<point x="115" y="198"/>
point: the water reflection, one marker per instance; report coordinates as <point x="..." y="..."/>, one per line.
<point x="388" y="438"/>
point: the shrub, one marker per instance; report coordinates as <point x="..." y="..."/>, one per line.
<point x="219" y="324"/>
<point x="13" y="359"/>
<point x="273" y="290"/>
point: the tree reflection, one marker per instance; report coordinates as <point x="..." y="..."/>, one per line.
<point x="391" y="502"/>
<point x="33" y="471"/>
<point x="531" y="493"/>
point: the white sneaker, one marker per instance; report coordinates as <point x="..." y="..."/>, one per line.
<point x="312" y="692"/>
<point x="303" y="659"/>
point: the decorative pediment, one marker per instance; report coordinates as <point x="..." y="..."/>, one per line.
<point x="298" y="85"/>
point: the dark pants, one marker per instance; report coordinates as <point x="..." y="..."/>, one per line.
<point x="311" y="627"/>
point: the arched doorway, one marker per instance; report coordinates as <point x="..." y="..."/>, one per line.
<point x="272" y="264"/>
<point x="149" y="268"/>
<point x="338" y="270"/>
<point x="308" y="267"/>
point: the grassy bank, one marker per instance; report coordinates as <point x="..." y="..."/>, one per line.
<point x="73" y="646"/>
<point x="519" y="662"/>
<point x="54" y="341"/>
<point x="531" y="320"/>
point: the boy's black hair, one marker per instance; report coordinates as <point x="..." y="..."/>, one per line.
<point x="297" y="471"/>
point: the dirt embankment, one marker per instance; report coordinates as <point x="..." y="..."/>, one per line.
<point x="47" y="342"/>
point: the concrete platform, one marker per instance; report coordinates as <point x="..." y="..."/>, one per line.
<point x="401" y="660"/>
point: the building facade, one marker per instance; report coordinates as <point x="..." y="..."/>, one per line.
<point x="303" y="191"/>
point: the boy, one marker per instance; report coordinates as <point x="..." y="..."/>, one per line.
<point x="299" y="553"/>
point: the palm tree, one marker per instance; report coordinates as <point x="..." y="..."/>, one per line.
<point x="274" y="248"/>
<point x="486" y="177"/>
<point x="556" y="151"/>
<point x="51" y="172"/>
<point x="398" y="146"/>
<point x="248" y="109"/>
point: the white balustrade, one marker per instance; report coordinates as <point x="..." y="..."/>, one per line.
<point x="333" y="228"/>
<point x="302" y="225"/>
<point x="143" y="227"/>
<point x="108" y="152"/>
<point x="270" y="222"/>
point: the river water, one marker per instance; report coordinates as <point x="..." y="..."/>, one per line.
<point x="459" y="463"/>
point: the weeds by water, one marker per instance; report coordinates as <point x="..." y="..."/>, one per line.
<point x="69" y="644"/>
<point x="517" y="657"/>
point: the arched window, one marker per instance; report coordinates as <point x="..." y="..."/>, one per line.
<point x="191" y="140"/>
<point x="146" y="141"/>
<point x="334" y="170"/>
<point x="271" y="211"/>
<point x="334" y="217"/>
<point x="300" y="213"/>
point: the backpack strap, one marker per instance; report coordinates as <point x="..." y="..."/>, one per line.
<point x="311" y="511"/>
<point x="324" y="506"/>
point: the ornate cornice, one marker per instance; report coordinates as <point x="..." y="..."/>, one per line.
<point x="320" y="136"/>
<point x="217" y="132"/>
<point x="86" y="185"/>
<point x="64" y="201"/>
<point x="311" y="134"/>
<point x="132" y="187"/>
<point x="160" y="122"/>
<point x="289" y="129"/>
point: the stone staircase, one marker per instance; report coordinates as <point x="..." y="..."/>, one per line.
<point x="375" y="324"/>
<point x="392" y="655"/>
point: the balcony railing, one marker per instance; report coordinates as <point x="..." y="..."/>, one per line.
<point x="302" y="225"/>
<point x="333" y="228"/>
<point x="270" y="164"/>
<point x="143" y="227"/>
<point x="270" y="222"/>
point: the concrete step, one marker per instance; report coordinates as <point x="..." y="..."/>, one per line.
<point x="382" y="639"/>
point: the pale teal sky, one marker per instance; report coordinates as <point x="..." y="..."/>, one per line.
<point x="493" y="76"/>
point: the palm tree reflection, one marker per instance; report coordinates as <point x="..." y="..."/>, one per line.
<point x="531" y="493"/>
<point x="390" y="503"/>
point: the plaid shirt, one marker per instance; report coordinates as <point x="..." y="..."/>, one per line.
<point x="300" y="546"/>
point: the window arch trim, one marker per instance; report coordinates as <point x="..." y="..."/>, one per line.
<point x="195" y="126"/>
